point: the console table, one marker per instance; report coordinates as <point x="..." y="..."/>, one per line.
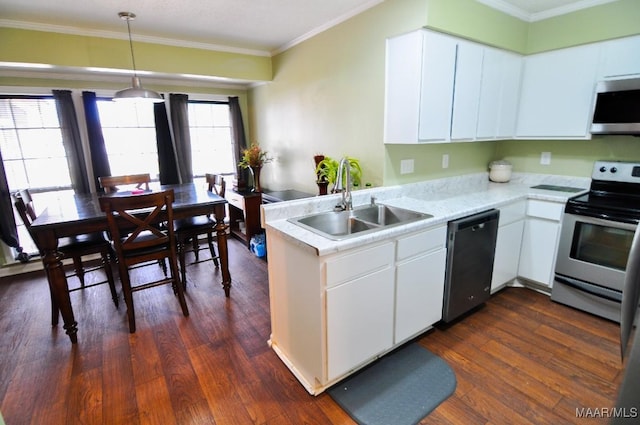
<point x="244" y="214"/>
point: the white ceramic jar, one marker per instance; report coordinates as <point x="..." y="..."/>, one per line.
<point x="500" y="171"/>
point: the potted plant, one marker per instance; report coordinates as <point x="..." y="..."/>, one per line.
<point x="327" y="170"/>
<point x="254" y="158"/>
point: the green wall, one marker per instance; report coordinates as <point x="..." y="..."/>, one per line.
<point x="78" y="51"/>
<point x="568" y="157"/>
<point x="327" y="94"/>
<point x="327" y="97"/>
<point x="608" y="21"/>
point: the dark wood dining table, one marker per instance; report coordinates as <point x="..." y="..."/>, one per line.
<point x="80" y="213"/>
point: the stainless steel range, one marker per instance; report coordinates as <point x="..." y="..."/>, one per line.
<point x="595" y="240"/>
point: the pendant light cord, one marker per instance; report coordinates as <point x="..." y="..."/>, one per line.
<point x="133" y="59"/>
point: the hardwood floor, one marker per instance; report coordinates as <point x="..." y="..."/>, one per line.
<point x="521" y="359"/>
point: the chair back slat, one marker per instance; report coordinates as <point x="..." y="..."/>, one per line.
<point x="110" y="184"/>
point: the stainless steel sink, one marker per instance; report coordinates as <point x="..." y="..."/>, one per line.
<point x="338" y="225"/>
<point x="385" y="215"/>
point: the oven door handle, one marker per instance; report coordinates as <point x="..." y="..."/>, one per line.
<point x="584" y="288"/>
<point x="602" y="221"/>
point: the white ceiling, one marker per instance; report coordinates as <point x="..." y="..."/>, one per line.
<point x="251" y="26"/>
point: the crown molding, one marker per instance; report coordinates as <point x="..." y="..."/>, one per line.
<point x="523" y="15"/>
<point x="326" y="26"/>
<point x="62" y="29"/>
<point x="563" y="10"/>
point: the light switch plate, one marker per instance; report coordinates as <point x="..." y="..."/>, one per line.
<point x="406" y="166"/>
<point x="545" y="158"/>
<point x="445" y="160"/>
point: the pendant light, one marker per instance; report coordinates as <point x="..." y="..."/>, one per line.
<point x="136" y="92"/>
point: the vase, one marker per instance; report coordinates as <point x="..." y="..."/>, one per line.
<point x="322" y="187"/>
<point x="255" y="173"/>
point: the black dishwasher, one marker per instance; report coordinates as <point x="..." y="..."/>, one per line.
<point x="471" y="244"/>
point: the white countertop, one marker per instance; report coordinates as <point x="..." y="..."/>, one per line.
<point x="445" y="199"/>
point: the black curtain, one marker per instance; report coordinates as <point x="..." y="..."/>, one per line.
<point x="71" y="140"/>
<point x="97" y="148"/>
<point x="167" y="163"/>
<point x="179" y="107"/>
<point x="8" y="231"/>
<point x="239" y="141"/>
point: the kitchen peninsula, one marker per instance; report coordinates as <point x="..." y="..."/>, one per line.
<point x="338" y="305"/>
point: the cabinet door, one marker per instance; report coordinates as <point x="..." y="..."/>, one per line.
<point x="466" y="95"/>
<point x="509" y="95"/>
<point x="402" y="88"/>
<point x="359" y="321"/>
<point x="538" y="252"/>
<point x="621" y="58"/>
<point x="419" y="294"/>
<point x="436" y="91"/>
<point x="507" y="255"/>
<point x="557" y="93"/>
<point x="490" y="94"/>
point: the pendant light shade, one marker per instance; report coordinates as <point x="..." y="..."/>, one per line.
<point x="135" y="93"/>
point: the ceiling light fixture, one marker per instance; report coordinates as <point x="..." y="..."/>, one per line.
<point x="136" y="92"/>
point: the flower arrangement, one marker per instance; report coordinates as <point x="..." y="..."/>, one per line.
<point x="254" y="156"/>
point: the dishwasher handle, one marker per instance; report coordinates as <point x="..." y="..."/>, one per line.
<point x="476" y="222"/>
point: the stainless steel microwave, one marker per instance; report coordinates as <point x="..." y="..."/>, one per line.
<point x="617" y="107"/>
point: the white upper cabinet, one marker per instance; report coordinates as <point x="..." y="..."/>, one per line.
<point x="441" y="88"/>
<point x="466" y="94"/>
<point x="420" y="69"/>
<point x="621" y="58"/>
<point x="438" y="86"/>
<point x="499" y="94"/>
<point x="556" y="100"/>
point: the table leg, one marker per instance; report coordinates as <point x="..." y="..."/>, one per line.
<point x="223" y="251"/>
<point x="52" y="261"/>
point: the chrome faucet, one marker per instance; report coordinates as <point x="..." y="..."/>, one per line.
<point x="344" y="166"/>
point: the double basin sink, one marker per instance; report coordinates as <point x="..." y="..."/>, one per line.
<point x="339" y="225"/>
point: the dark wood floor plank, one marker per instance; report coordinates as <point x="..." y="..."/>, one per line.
<point x="520" y="358"/>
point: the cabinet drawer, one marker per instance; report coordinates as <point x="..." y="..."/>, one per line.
<point x="512" y="212"/>
<point x="350" y="266"/>
<point x="421" y="243"/>
<point x="548" y="210"/>
<point x="236" y="200"/>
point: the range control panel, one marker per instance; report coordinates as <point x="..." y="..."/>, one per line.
<point x="616" y="171"/>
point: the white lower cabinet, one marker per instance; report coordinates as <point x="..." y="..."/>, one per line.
<point x="507" y="254"/>
<point x="540" y="241"/>
<point x="332" y="315"/>
<point x="419" y="282"/>
<point x="359" y="321"/>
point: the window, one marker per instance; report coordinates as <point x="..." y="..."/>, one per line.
<point x="210" y="133"/>
<point x="129" y="132"/>
<point x="31" y="144"/>
<point x="130" y="137"/>
<point x="33" y="153"/>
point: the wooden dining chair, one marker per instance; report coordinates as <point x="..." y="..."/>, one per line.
<point x="111" y="184"/>
<point x="74" y="247"/>
<point x="133" y="225"/>
<point x="191" y="228"/>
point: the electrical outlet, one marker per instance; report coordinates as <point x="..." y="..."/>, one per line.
<point x="545" y="158"/>
<point x="445" y="160"/>
<point x="406" y="166"/>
